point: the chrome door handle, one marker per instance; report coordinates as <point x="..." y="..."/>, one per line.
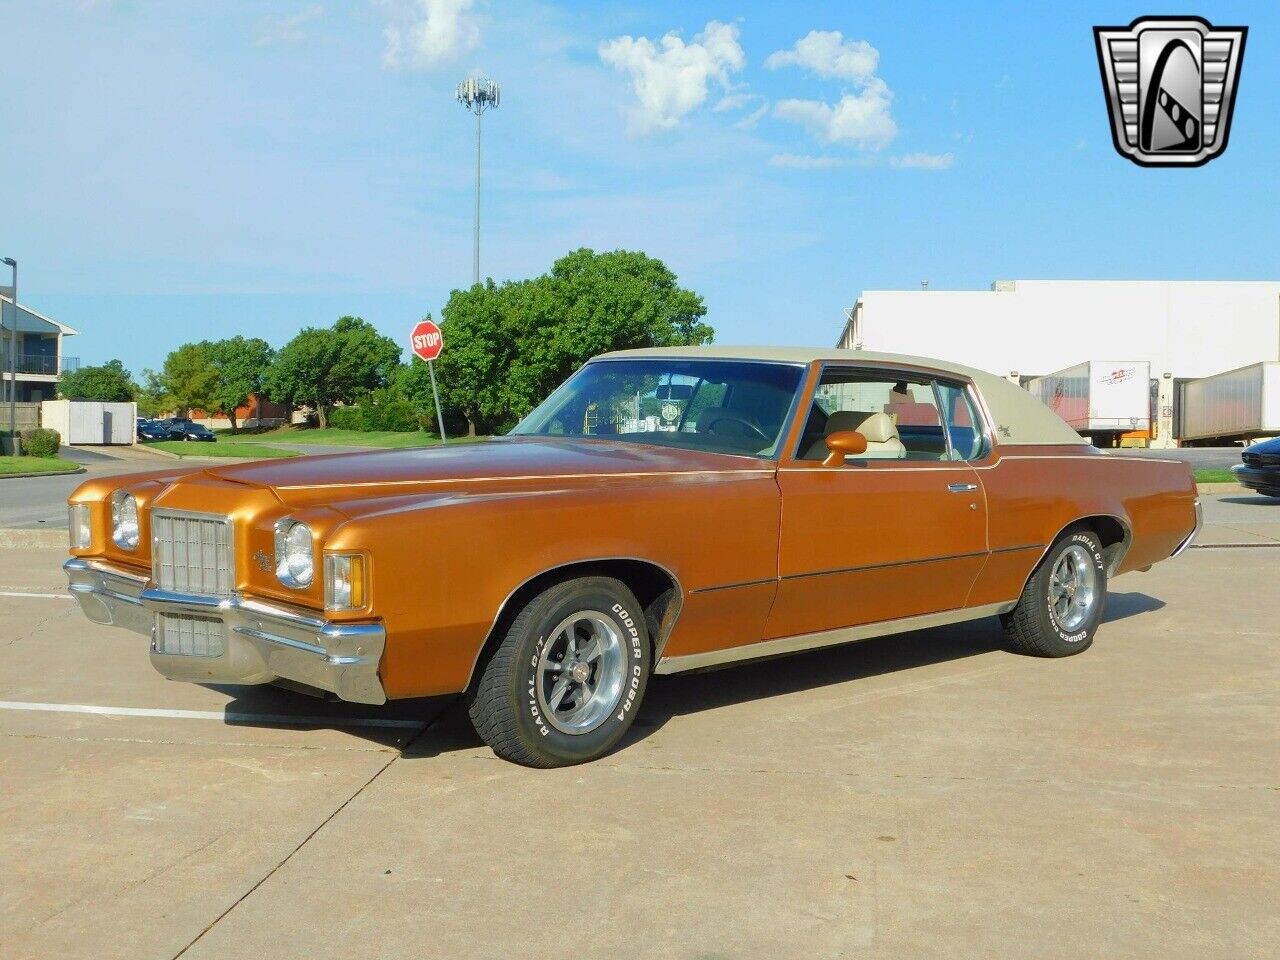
<point x="962" y="487"/>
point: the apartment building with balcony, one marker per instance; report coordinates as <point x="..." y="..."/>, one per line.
<point x="40" y="358"/>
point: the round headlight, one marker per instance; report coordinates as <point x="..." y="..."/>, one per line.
<point x="124" y="520"/>
<point x="295" y="554"/>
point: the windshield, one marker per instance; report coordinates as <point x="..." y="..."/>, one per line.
<point x="720" y="406"/>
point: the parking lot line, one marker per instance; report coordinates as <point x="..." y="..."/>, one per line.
<point x="48" y="596"/>
<point x="224" y="716"/>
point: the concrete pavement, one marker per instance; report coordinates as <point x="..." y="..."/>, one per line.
<point x="915" y="796"/>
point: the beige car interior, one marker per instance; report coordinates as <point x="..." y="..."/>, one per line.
<point x="883" y="442"/>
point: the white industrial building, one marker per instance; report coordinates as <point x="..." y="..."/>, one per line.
<point x="1181" y="331"/>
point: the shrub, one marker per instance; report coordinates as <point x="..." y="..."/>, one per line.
<point x="380" y="411"/>
<point x="41" y="442"/>
<point x="347" y="418"/>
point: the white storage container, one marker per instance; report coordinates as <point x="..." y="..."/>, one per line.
<point x="1237" y="403"/>
<point x="90" y="422"/>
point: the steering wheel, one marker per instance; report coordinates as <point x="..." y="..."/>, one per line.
<point x="748" y="426"/>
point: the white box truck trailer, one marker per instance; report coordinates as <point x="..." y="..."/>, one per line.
<point x="1238" y="404"/>
<point x="1099" y="396"/>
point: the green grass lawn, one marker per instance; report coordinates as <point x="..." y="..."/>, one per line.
<point x="341" y="438"/>
<point x="1215" y="475"/>
<point x="184" y="448"/>
<point x="36" y="465"/>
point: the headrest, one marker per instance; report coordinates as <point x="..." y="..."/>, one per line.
<point x="878" y="428"/>
<point x="843" y="420"/>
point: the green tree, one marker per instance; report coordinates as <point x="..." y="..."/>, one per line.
<point x="483" y="338"/>
<point x="242" y="365"/>
<point x="324" y="366"/>
<point x="189" y="378"/>
<point x="110" y="382"/>
<point x="508" y="345"/>
<point x="151" y="395"/>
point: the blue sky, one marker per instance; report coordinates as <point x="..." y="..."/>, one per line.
<point x="175" y="171"/>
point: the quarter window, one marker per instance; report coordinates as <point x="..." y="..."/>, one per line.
<point x="963" y="423"/>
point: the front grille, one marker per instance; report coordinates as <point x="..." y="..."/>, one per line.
<point x="1261" y="459"/>
<point x="184" y="635"/>
<point x="191" y="553"/>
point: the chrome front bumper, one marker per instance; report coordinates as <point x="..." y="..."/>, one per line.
<point x="263" y="642"/>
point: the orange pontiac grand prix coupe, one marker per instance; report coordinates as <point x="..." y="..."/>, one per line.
<point x="663" y="510"/>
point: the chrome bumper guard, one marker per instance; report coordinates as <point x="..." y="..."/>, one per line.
<point x="263" y="642"/>
<point x="1192" y="535"/>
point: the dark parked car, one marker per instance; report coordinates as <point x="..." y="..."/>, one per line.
<point x="151" y="430"/>
<point x="1261" y="468"/>
<point x="180" y="428"/>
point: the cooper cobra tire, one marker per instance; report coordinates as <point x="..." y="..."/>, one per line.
<point x="1061" y="605"/>
<point x="567" y="679"/>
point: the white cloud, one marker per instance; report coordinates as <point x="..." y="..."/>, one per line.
<point x="925" y="161"/>
<point x="751" y="119"/>
<point x="828" y="54"/>
<point x="804" y="162"/>
<point x="671" y="78"/>
<point x="859" y="118"/>
<point x="428" y="33"/>
<point x="733" y="101"/>
<point x="286" y="29"/>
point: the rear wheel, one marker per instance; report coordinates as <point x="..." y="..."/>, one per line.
<point x="1061" y="605"/>
<point x="567" y="679"/>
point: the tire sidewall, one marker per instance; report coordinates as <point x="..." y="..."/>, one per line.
<point x="1082" y="636"/>
<point x="622" y="609"/>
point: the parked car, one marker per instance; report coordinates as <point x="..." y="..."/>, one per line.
<point x="151" y="430"/>
<point x="662" y="511"/>
<point x="180" y="428"/>
<point x="1260" y="469"/>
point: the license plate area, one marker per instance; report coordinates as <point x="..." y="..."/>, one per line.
<point x="187" y="635"/>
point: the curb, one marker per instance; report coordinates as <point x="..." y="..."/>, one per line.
<point x="19" y="539"/>
<point x="1225" y="487"/>
<point x="41" y="473"/>
<point x="161" y="453"/>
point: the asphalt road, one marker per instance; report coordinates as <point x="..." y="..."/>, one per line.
<point x="927" y="795"/>
<point x="38" y="502"/>
<point x="1199" y="458"/>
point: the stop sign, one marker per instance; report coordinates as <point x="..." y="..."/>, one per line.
<point x="427" y="341"/>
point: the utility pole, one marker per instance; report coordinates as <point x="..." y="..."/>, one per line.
<point x="13" y="360"/>
<point x="478" y="95"/>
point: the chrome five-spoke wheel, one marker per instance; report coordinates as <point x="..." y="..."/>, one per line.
<point x="1073" y="587"/>
<point x="581" y="672"/>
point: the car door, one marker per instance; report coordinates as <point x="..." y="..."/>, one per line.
<point x="899" y="531"/>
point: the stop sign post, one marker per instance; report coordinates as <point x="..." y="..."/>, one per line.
<point x="426" y="341"/>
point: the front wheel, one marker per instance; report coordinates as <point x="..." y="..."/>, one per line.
<point x="567" y="679"/>
<point x="1061" y="605"/>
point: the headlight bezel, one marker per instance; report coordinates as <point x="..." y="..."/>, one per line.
<point x="295" y="563"/>
<point x="126" y="522"/>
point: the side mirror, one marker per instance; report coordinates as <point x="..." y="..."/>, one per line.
<point x="845" y="443"/>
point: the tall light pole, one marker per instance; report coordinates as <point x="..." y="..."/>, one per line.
<point x="13" y="359"/>
<point x="478" y="95"/>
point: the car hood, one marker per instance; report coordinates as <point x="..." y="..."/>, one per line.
<point x="503" y="463"/>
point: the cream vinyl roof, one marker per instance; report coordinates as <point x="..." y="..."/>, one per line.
<point x="1018" y="417"/>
